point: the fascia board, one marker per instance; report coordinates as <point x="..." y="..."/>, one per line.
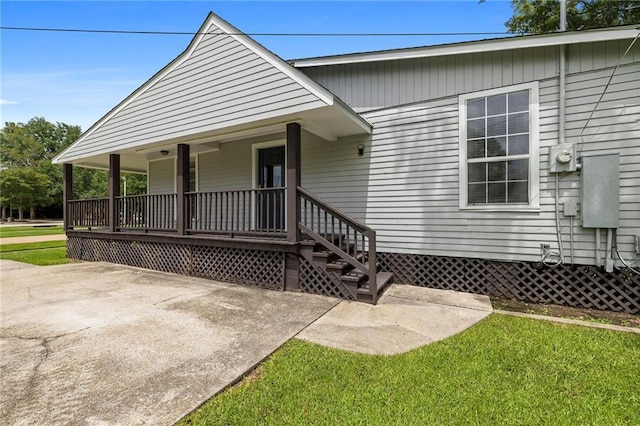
<point x="518" y="42"/>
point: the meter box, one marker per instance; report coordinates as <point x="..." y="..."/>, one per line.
<point x="600" y="191"/>
<point x="562" y="158"/>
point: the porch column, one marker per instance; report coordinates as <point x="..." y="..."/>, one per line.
<point x="293" y="181"/>
<point x="292" y="261"/>
<point x="182" y="187"/>
<point x="67" y="193"/>
<point x="114" y="191"/>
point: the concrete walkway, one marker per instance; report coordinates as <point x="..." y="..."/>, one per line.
<point x="32" y="239"/>
<point x="405" y="318"/>
<point x="97" y="343"/>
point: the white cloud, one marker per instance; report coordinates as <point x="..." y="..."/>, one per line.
<point x="7" y="102"/>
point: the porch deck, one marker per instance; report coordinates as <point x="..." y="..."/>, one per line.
<point x="238" y="236"/>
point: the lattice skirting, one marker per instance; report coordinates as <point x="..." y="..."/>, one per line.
<point x="313" y="279"/>
<point x="583" y="286"/>
<point x="264" y="269"/>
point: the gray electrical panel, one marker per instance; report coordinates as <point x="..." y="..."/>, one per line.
<point x="600" y="191"/>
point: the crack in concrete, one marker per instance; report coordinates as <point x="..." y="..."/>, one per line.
<point x="44" y="355"/>
<point x="181" y="295"/>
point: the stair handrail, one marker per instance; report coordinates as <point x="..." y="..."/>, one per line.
<point x="370" y="268"/>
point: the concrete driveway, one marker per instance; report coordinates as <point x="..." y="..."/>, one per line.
<point x="96" y="343"/>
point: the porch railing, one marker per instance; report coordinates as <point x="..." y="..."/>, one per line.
<point x="147" y="212"/>
<point x="258" y="211"/>
<point x="88" y="213"/>
<point x="352" y="241"/>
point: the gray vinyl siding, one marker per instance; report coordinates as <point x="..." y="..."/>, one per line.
<point x="406" y="185"/>
<point x="385" y="84"/>
<point x="222" y="83"/>
<point x="228" y="169"/>
<point x="161" y="177"/>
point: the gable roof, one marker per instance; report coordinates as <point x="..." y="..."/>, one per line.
<point x="506" y="43"/>
<point x="223" y="82"/>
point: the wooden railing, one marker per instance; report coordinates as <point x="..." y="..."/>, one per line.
<point x="147" y="212"/>
<point x="352" y="241"/>
<point x="252" y="212"/>
<point x="88" y="213"/>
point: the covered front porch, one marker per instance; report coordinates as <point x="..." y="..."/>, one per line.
<point x="277" y="235"/>
<point x="248" y="219"/>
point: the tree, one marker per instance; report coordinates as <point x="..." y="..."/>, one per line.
<point x="24" y="188"/>
<point x="32" y="146"/>
<point x="543" y="16"/>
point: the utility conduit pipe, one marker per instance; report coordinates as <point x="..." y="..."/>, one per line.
<point x="598" y="256"/>
<point x="608" y="263"/>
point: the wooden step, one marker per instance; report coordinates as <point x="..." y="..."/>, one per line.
<point x="341" y="266"/>
<point x="383" y="279"/>
<point x="354" y="277"/>
<point x="324" y="257"/>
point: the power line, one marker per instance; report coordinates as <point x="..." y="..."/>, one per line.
<point x="77" y="30"/>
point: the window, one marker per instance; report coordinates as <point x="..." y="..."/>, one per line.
<point x="499" y="148"/>
<point x="193" y="187"/>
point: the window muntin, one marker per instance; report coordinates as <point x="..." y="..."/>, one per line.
<point x="498" y="148"/>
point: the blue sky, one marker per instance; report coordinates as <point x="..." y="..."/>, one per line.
<point x="76" y="77"/>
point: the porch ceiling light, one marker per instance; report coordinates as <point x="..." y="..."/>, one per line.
<point x="164" y="152"/>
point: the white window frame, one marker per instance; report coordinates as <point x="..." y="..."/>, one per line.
<point x="534" y="149"/>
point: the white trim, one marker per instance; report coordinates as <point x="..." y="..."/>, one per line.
<point x="518" y="42"/>
<point x="534" y="149"/>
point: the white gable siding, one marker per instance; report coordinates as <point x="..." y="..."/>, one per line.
<point x="221" y="83"/>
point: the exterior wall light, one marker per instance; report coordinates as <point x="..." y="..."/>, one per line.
<point x="360" y="150"/>
<point x="164" y="152"/>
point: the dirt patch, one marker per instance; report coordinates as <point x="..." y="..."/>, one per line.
<point x="595" y="315"/>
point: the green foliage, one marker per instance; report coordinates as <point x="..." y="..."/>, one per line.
<point x="32" y="146"/>
<point x="543" y="16"/>
<point x="504" y="370"/>
<point x="24" y="187"/>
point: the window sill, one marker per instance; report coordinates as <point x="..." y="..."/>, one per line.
<point x="508" y="209"/>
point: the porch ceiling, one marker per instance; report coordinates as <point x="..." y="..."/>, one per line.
<point x="329" y="123"/>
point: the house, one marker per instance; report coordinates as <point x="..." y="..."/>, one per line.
<point x="508" y="167"/>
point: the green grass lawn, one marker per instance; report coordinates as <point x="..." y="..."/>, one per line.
<point x="29" y="231"/>
<point x="504" y="370"/>
<point x="42" y="253"/>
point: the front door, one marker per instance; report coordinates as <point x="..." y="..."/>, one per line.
<point x="270" y="196"/>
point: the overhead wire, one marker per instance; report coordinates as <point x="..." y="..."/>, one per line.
<point x="580" y="145"/>
<point x="275" y="34"/>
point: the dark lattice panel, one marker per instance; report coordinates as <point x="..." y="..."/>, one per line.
<point x="262" y="268"/>
<point x="584" y="286"/>
<point x="252" y="267"/>
<point x="318" y="281"/>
